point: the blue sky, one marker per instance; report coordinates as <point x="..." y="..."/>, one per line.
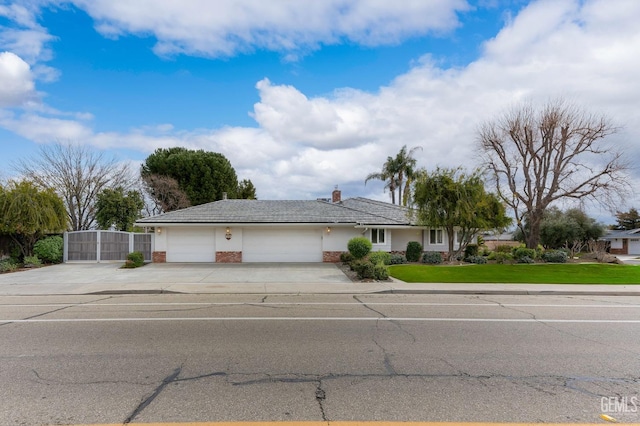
<point x="303" y="96"/>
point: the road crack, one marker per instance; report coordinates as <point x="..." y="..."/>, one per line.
<point x="321" y="396"/>
<point x="171" y="378"/>
<point x="66" y="306"/>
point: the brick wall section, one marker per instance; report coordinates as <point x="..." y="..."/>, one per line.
<point x="331" y="256"/>
<point x="618" y="251"/>
<point x="159" y="257"/>
<point x="228" y="257"/>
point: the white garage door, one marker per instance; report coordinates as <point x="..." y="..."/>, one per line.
<point x="634" y="246"/>
<point x="191" y="245"/>
<point x="282" y="245"/>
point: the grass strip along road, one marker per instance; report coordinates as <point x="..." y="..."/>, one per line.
<point x="519" y="273"/>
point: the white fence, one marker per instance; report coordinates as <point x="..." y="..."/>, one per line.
<point x="105" y="246"/>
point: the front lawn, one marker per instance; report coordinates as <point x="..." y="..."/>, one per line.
<point x="519" y="273"/>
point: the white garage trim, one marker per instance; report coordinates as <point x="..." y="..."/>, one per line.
<point x="191" y="244"/>
<point x="282" y="245"/>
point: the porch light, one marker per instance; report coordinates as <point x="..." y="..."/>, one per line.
<point x="227" y="233"/>
<point x="159" y="230"/>
<point x="328" y="229"/>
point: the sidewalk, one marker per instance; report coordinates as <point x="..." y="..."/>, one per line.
<point x="388" y="287"/>
<point x="261" y="279"/>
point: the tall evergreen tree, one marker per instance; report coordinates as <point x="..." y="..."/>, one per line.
<point x="204" y="176"/>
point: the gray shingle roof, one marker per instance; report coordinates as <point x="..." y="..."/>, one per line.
<point x="633" y="233"/>
<point x="353" y="211"/>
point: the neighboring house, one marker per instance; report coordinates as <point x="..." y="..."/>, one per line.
<point x="624" y="242"/>
<point x="230" y="231"/>
<point x="492" y="240"/>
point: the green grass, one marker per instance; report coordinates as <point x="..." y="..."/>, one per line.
<point x="519" y="273"/>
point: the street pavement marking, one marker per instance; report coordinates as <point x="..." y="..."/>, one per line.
<point x="417" y="319"/>
<point x="497" y="305"/>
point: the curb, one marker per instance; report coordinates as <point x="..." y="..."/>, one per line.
<point x="515" y="292"/>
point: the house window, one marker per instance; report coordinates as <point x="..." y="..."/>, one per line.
<point x="459" y="237"/>
<point x="377" y="236"/>
<point x="435" y="236"/>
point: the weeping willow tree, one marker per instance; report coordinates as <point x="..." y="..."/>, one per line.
<point x="28" y="213"/>
<point x="457" y="202"/>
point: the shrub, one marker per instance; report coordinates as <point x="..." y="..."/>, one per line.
<point x="470" y="250"/>
<point x="378" y="257"/>
<point x="32" y="262"/>
<point x="359" y="247"/>
<point x="135" y="258"/>
<point x="381" y="272"/>
<point x="363" y="268"/>
<point x="526" y="259"/>
<point x="8" y="265"/>
<point x="414" y="250"/>
<point x="521" y="252"/>
<point x="503" y="248"/>
<point x="397" y="259"/>
<point x="346" y="257"/>
<point x="503" y="257"/>
<point x="432" y="257"/>
<point x="555" y="256"/>
<point x="49" y="249"/>
<point x="478" y="260"/>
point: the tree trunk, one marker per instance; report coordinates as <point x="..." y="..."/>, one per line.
<point x="533" y="236"/>
<point x="450" y="240"/>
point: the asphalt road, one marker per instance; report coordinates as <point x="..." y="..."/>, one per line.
<point x="179" y="358"/>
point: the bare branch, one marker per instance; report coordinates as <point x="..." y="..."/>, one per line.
<point x="538" y="156"/>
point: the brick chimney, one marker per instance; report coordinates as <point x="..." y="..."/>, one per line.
<point x="336" y="196"/>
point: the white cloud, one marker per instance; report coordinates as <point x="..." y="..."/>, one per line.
<point x="27" y="39"/>
<point x="17" y="87"/>
<point x="302" y="146"/>
<point x="225" y="27"/>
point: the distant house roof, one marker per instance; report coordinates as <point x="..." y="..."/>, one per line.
<point x="356" y="211"/>
<point x="625" y="233"/>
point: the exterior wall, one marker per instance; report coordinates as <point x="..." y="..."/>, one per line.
<point x="400" y="238"/>
<point x="331" y="256"/>
<point x="159" y="257"/>
<point x="161" y="239"/>
<point x="337" y="239"/>
<point x="621" y="246"/>
<point x="387" y="240"/>
<point x="228" y="257"/>
<point x="427" y="246"/>
<point x="232" y="244"/>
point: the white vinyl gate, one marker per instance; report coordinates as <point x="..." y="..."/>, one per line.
<point x="105" y="246"/>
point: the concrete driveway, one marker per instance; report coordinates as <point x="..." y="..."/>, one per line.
<point x="79" y="278"/>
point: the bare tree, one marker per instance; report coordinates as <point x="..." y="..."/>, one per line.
<point x="163" y="194"/>
<point x="77" y="173"/>
<point x="538" y="156"/>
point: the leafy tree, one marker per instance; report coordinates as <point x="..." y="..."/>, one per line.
<point x="454" y="200"/>
<point x="163" y="194"/>
<point x="628" y="220"/>
<point x="77" y="174"/>
<point x="246" y="190"/>
<point x="571" y="230"/>
<point x="538" y="156"/>
<point x="394" y="172"/>
<point x="29" y="212"/>
<point x="203" y="176"/>
<point x="115" y="208"/>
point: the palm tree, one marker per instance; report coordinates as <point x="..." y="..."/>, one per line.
<point x="389" y="175"/>
<point x="405" y="167"/>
